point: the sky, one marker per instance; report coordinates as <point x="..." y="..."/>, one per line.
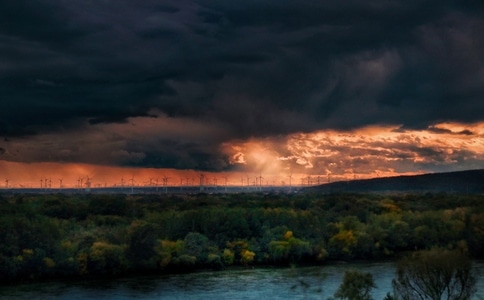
<point x="118" y="89"/>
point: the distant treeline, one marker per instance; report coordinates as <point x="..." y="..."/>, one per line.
<point x="60" y="235"/>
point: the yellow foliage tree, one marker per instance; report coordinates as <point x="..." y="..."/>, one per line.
<point x="228" y="257"/>
<point x="288" y="235"/>
<point x="345" y="240"/>
<point x="168" y="250"/>
<point x="247" y="257"/>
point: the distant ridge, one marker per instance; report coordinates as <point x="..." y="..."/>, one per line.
<point x="471" y="181"/>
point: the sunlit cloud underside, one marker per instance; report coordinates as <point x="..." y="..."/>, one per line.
<point x="326" y="155"/>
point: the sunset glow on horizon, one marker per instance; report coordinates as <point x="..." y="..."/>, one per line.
<point x="323" y="156"/>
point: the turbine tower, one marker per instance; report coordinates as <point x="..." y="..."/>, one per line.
<point x="132" y="184"/>
<point x="290" y="182"/>
<point x="88" y="184"/>
<point x="81" y="181"/>
<point x="202" y="181"/>
<point x="165" y="184"/>
<point x="225" y="177"/>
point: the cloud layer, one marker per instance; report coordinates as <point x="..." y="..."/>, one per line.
<point x="168" y="85"/>
<point x="365" y="152"/>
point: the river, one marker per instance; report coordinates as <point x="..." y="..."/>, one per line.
<point x="259" y="283"/>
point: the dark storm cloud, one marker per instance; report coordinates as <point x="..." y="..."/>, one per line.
<point x="255" y="68"/>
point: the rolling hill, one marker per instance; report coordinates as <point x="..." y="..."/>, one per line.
<point x="471" y="181"/>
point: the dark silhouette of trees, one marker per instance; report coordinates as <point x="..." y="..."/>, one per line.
<point x="356" y="285"/>
<point x="435" y="274"/>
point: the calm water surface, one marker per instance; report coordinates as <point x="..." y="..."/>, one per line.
<point x="295" y="283"/>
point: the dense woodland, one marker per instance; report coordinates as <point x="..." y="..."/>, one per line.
<point x="60" y="235"/>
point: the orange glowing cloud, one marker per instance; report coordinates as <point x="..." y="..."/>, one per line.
<point x="366" y="152"/>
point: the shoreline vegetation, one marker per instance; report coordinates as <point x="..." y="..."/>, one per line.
<point x="83" y="236"/>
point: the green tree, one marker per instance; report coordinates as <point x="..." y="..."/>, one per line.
<point x="107" y="258"/>
<point x="142" y="237"/>
<point x="168" y="252"/>
<point x="228" y="257"/>
<point x="197" y="245"/>
<point x="435" y="274"/>
<point x="356" y="285"/>
<point x="289" y="248"/>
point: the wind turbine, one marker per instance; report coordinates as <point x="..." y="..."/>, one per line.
<point x="260" y="181"/>
<point x="81" y="180"/>
<point x="290" y="182"/>
<point x="225" y="177"/>
<point x="202" y="181"/>
<point x="60" y="183"/>
<point x="6" y="183"/>
<point x="165" y="184"/>
<point x="132" y="184"/>
<point x="88" y="184"/>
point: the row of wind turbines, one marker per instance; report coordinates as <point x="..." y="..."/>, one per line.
<point x="204" y="182"/>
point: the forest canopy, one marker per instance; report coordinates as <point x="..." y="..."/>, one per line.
<point x="59" y="235"/>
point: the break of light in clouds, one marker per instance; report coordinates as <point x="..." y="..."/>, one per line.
<point x="361" y="153"/>
<point x="351" y="89"/>
<point x="365" y="152"/>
